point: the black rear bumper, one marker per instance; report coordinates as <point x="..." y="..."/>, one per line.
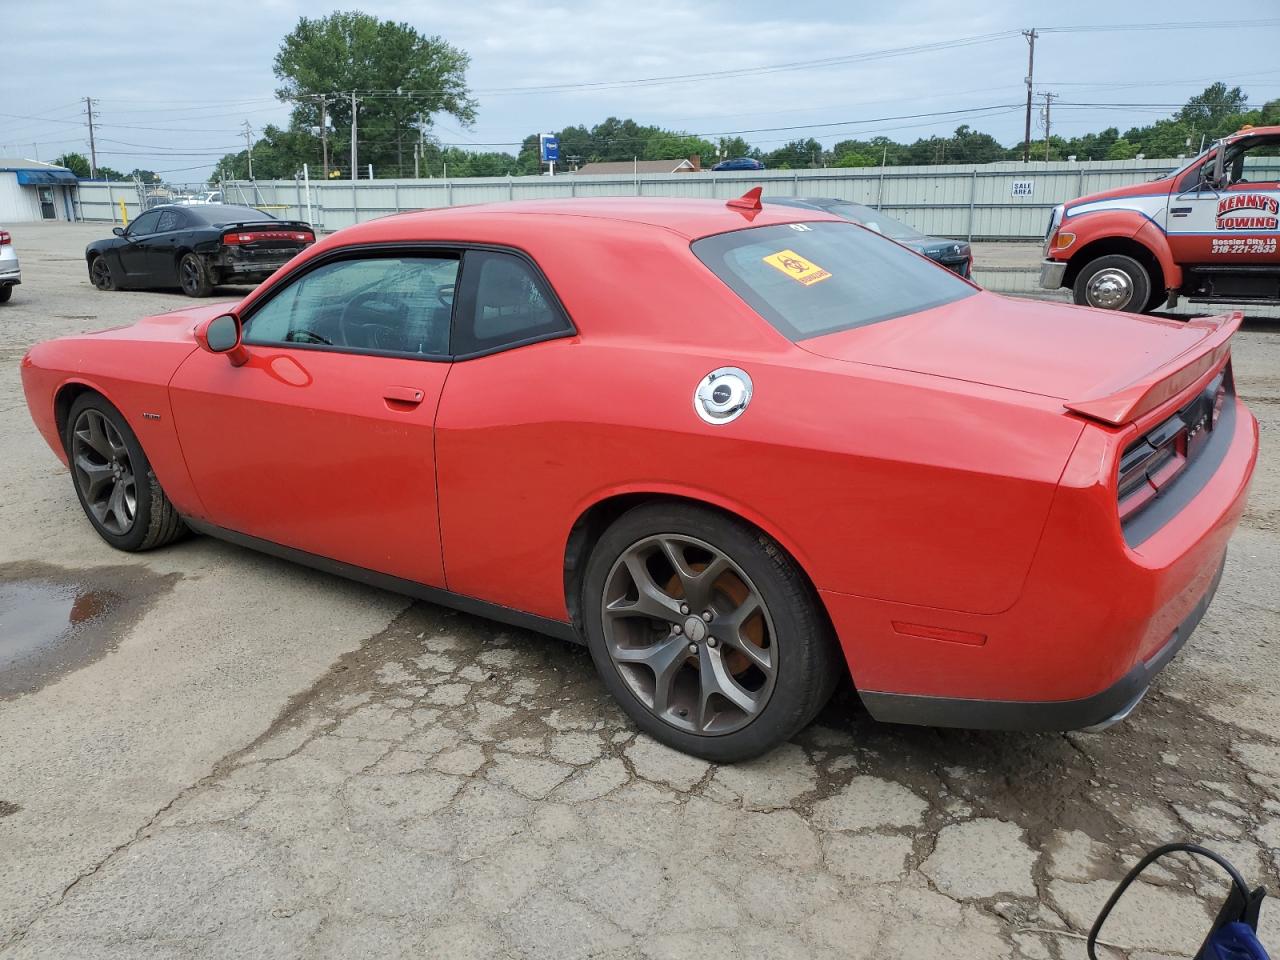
<point x="1098" y="710"/>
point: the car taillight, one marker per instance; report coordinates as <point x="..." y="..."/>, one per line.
<point x="5" y="238"/>
<point x="255" y="236"/>
<point x="1151" y="462"/>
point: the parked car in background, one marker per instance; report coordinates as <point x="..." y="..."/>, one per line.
<point x="738" y="163"/>
<point x="10" y="269"/>
<point x="1209" y="232"/>
<point x="209" y="196"/>
<point x="955" y="255"/>
<point x="195" y="248"/>
<point x="740" y="451"/>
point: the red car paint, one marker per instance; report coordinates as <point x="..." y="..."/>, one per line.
<point x="929" y="473"/>
<point x="1207" y="243"/>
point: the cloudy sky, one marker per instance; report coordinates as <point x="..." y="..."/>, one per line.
<point x="174" y="85"/>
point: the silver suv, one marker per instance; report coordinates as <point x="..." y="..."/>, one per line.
<point x="10" y="272"/>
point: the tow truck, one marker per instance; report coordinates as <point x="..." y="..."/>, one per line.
<point x="1206" y="232"/>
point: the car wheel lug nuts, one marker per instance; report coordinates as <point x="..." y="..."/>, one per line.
<point x="711" y="642"/>
<point x="677" y="629"/>
<point x="693" y="648"/>
<point x="707" y="615"/>
<point x="684" y="608"/>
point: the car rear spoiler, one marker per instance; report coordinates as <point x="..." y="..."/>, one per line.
<point x="266" y="225"/>
<point x="1166" y="381"/>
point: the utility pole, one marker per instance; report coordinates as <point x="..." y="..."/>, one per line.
<point x="93" y="147"/>
<point x="248" y="146"/>
<point x="1048" y="105"/>
<point x="324" y="135"/>
<point x="1031" y="70"/>
<point x="355" y="170"/>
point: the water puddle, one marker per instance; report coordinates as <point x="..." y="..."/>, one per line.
<point x="53" y="621"/>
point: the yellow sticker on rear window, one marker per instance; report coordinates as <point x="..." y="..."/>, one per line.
<point x="796" y="267"/>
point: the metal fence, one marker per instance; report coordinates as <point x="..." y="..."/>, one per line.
<point x="998" y="201"/>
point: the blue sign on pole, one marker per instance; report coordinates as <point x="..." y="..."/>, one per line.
<point x="550" y="148"/>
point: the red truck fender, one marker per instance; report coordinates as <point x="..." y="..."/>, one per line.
<point x="1117" y="231"/>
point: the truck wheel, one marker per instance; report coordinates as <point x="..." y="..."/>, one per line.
<point x="1114" y="282"/>
<point x="194" y="276"/>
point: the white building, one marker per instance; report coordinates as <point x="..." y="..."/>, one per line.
<point x="31" y="190"/>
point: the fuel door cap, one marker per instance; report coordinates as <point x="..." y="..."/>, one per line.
<point x="722" y="395"/>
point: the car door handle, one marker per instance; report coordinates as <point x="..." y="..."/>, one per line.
<point x="409" y="396"/>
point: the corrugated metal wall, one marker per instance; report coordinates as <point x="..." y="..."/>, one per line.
<point x="21" y="204"/>
<point x="1000" y="201"/>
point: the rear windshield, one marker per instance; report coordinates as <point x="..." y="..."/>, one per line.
<point x="218" y="214"/>
<point x="810" y="279"/>
<point x="873" y="219"/>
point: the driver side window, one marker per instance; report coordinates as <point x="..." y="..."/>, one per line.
<point x="144" y="225"/>
<point x="395" y="304"/>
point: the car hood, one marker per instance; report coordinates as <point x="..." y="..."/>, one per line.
<point x="177" y="325"/>
<point x="1053" y="350"/>
<point x="1147" y="189"/>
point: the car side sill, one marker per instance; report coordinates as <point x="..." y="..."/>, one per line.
<point x="385" y="581"/>
<point x="1099" y="710"/>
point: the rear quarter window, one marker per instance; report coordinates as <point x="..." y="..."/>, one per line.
<point x="811" y="279"/>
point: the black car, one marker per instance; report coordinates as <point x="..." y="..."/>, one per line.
<point x="195" y="247"/>
<point x="952" y="254"/>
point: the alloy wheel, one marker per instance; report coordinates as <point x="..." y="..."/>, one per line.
<point x="190" y="275"/>
<point x="104" y="472"/>
<point x="101" y="274"/>
<point x="689" y="634"/>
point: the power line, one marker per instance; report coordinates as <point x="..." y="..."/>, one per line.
<point x="1147" y="27"/>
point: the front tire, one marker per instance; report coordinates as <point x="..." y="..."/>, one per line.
<point x="193" y="275"/>
<point x="114" y="481"/>
<point x="1114" y="282"/>
<point x="706" y="632"/>
<point x="100" y="273"/>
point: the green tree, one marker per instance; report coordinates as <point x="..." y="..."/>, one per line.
<point x="77" y="163"/>
<point x="1122" y="149"/>
<point x="401" y="77"/>
<point x="1213" y="107"/>
<point x="146" y="176"/>
<point x="796" y="155"/>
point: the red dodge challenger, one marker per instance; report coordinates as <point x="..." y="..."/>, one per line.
<point x="736" y="451"/>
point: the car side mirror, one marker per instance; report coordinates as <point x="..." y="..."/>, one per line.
<point x="118" y="231"/>
<point x="222" y="335"/>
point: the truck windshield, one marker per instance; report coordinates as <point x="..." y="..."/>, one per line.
<point x="810" y="279"/>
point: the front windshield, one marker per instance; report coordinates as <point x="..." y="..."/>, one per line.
<point x="873" y="219"/>
<point x="810" y="279"/>
<point x="1203" y="155"/>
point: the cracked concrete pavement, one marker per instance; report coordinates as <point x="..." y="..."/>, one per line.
<point x="265" y="761"/>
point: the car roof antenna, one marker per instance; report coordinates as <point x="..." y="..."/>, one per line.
<point x="748" y="201"/>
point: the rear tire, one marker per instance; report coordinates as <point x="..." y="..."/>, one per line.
<point x="193" y="275"/>
<point x="6" y="292"/>
<point x="1114" y="282"/>
<point x="744" y="666"/>
<point x="114" y="481"/>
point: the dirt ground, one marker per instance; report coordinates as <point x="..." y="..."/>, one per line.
<point x="233" y="756"/>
